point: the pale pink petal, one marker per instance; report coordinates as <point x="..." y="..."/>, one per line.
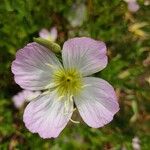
<point x="49" y="35"/>
<point x="45" y="34"/>
<point x="97" y="104"/>
<point x="34" y="66"/>
<point x="133" y="6"/>
<point x="18" y="99"/>
<point x="53" y="34"/>
<point x="46" y="115"/>
<point x="84" y="54"/>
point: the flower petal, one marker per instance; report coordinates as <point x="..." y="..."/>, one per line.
<point x="30" y="95"/>
<point x="84" y="54"/>
<point x="97" y="104"/>
<point x="18" y="99"/>
<point x="45" y="115"/>
<point x="133" y="6"/>
<point x="45" y="34"/>
<point x="53" y="33"/>
<point x="49" y="35"/>
<point x="33" y="66"/>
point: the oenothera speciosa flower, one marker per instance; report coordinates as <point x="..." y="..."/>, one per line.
<point x="65" y="84"/>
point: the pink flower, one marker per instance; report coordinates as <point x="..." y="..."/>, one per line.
<point x="25" y="95"/>
<point x="77" y="15"/>
<point x="37" y="68"/>
<point x="133" y="6"/>
<point x="49" y="35"/>
<point x="136" y="143"/>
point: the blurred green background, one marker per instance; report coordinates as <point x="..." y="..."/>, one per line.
<point x="127" y="37"/>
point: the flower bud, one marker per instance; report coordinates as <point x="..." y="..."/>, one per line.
<point x="49" y="44"/>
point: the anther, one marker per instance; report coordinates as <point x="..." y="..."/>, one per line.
<point x="86" y="85"/>
<point x="52" y="66"/>
<point x="60" y="98"/>
<point x="77" y="122"/>
<point x="71" y="98"/>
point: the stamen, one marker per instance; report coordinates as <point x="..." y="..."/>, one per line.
<point x="51" y="85"/>
<point x="77" y="122"/>
<point x="50" y="65"/>
<point x="74" y="109"/>
<point x="60" y="98"/>
<point x="45" y="92"/>
<point x="66" y="105"/>
<point x="70" y="111"/>
<point x="86" y="85"/>
<point x="71" y="98"/>
<point x="69" y="81"/>
<point x="65" y="108"/>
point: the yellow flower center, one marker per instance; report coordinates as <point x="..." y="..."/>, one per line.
<point x="67" y="81"/>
